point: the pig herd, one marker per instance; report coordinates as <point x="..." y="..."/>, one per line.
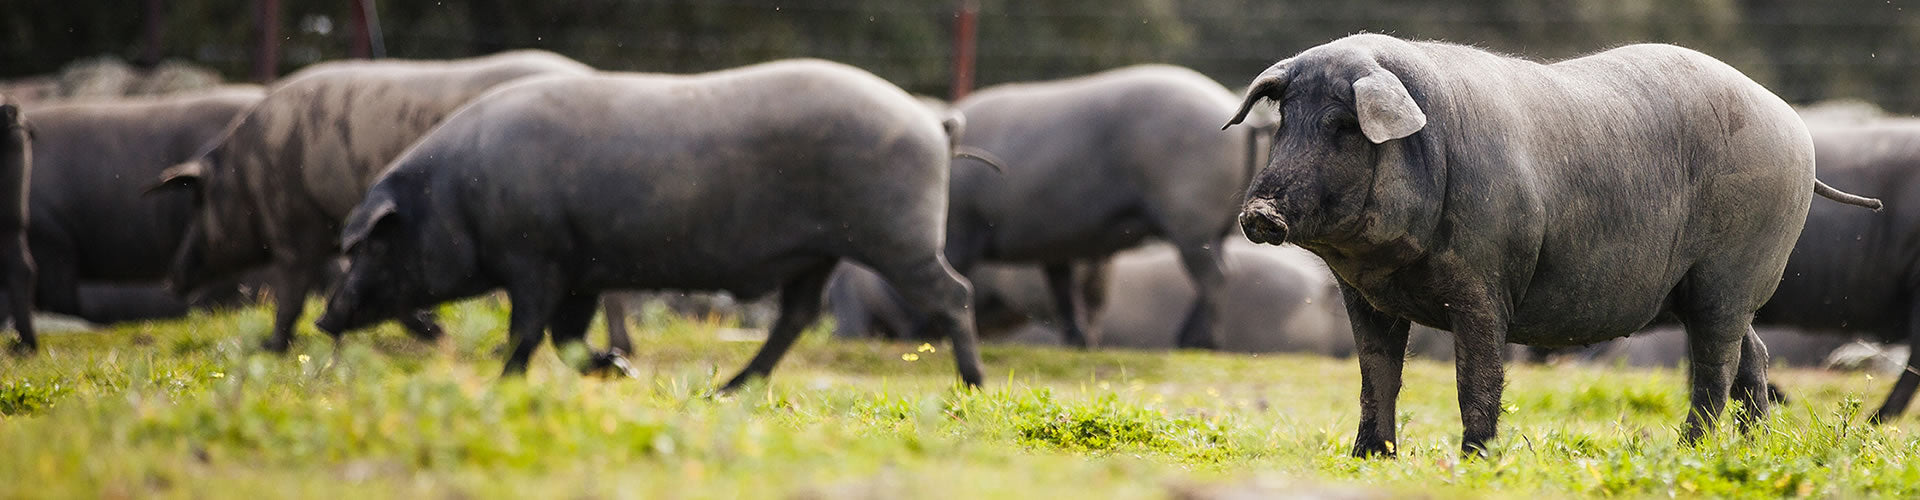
<point x="1416" y="187"/>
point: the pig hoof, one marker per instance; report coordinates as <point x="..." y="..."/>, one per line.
<point x="1373" y="450"/>
<point x="610" y="364"/>
<point x="734" y="386"/>
<point x="275" y="345"/>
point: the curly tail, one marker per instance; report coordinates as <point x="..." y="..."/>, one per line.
<point x="1822" y="189"/>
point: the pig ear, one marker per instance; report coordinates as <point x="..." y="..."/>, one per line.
<point x="955" y="124"/>
<point x="1268" y="85"/>
<point x="184" y="175"/>
<point x="1386" y="110"/>
<point x="10" y="114"/>
<point x="377" y="210"/>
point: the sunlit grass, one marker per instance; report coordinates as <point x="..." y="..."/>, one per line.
<point x="188" y="409"/>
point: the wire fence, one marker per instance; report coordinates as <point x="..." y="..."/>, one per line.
<point x="1805" y="51"/>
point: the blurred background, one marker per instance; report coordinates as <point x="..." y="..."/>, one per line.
<point x="1803" y="50"/>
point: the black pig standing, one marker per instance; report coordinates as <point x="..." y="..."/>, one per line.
<point x="747" y="180"/>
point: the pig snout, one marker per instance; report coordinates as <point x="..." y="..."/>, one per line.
<point x="331" y="322"/>
<point x="1260" y="220"/>
<point x="340" y="315"/>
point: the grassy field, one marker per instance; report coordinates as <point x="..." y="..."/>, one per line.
<point x="186" y="409"/>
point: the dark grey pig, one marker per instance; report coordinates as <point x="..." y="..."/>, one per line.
<point x="90" y="222"/>
<point x="1858" y="272"/>
<point x="1097" y="164"/>
<point x="16" y="166"/>
<point x="1007" y="298"/>
<point x="749" y="180"/>
<point x="1276" y="299"/>
<point x="274" y="190"/>
<point x="1541" y="204"/>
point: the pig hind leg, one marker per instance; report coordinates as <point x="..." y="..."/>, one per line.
<point x="1902" y="393"/>
<point x="569" y="327"/>
<point x="1201" y="328"/>
<point x="617" y="340"/>
<point x="1068" y="302"/>
<point x="935" y="293"/>
<point x="1750" y="386"/>
<point x="20" y="282"/>
<point x="291" y="284"/>
<point x="800" y="304"/>
<point x="535" y="304"/>
<point x="1718" y="325"/>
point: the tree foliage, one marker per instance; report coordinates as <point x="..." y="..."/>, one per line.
<point x="1803" y="50"/>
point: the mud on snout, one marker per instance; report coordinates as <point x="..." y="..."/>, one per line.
<point x="1261" y="222"/>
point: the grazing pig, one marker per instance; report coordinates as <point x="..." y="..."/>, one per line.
<point x="16" y="166"/>
<point x="1095" y="165"/>
<point x="746" y="180"/>
<point x="1541" y="204"/>
<point x="90" y="223"/>
<point x="273" y="191"/>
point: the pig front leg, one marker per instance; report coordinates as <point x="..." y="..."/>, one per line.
<point x="1380" y="340"/>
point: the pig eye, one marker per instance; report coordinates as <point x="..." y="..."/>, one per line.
<point x="1339" y="122"/>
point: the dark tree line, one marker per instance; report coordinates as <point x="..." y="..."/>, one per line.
<point x="1803" y="50"/>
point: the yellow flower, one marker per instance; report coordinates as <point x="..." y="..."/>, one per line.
<point x="910" y="357"/>
<point x="304" y="359"/>
<point x="219" y="375"/>
<point x="926" y="348"/>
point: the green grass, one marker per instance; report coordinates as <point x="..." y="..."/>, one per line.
<point x="187" y="409"/>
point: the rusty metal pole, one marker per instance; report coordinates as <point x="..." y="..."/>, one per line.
<point x="367" y="40"/>
<point x="964" y="20"/>
<point x="266" y="26"/>
<point x="362" y="47"/>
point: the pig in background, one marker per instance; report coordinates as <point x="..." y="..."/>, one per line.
<point x="97" y="236"/>
<point x="1095" y="165"/>
<point x="274" y="191"/>
<point x="1275" y="299"/>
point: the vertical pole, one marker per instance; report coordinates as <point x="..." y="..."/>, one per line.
<point x="362" y="47"/>
<point x="963" y="47"/>
<point x="266" y="25"/>
<point x="153" y="33"/>
<point x="368" y="43"/>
